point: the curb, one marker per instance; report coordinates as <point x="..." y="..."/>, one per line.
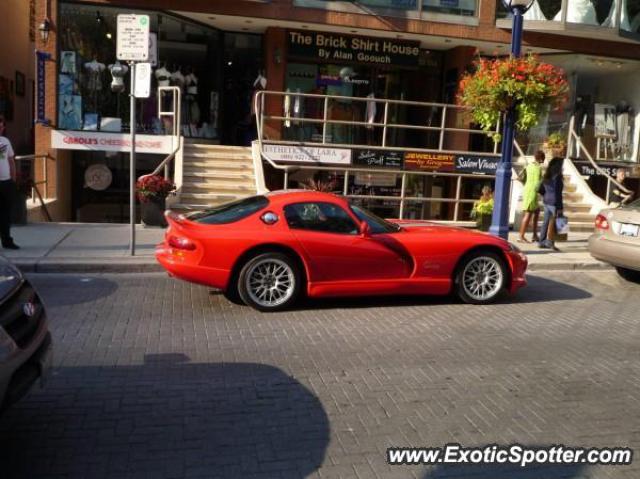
<point x="89" y="267"/>
<point x="154" y="267"/>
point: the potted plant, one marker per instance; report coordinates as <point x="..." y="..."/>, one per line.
<point x="483" y="210"/>
<point x="152" y="192"/>
<point x="529" y="85"/>
<point x="555" y="146"/>
<point x="24" y="183"/>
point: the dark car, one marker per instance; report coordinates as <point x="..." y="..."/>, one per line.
<point x="25" y="341"/>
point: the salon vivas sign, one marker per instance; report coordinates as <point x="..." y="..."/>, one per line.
<point x="334" y="47"/>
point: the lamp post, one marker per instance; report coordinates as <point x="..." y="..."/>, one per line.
<point x="502" y="190"/>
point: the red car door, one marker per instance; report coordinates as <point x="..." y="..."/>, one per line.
<point x="336" y="250"/>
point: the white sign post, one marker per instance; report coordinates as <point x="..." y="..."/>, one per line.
<point x="132" y="47"/>
<point x="143" y="80"/>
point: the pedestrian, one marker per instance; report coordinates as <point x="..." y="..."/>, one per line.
<point x="620" y="196"/>
<point x="551" y="190"/>
<point x="531" y="178"/>
<point x="7" y="187"/>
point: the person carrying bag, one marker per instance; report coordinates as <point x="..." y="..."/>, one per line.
<point x="551" y="190"/>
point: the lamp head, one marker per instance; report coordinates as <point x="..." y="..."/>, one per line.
<point x="521" y="5"/>
<point x="45" y="28"/>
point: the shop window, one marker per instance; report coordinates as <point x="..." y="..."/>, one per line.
<point x="465" y="8"/>
<point x="93" y="86"/>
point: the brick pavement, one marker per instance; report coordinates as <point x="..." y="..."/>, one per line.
<point x="161" y="379"/>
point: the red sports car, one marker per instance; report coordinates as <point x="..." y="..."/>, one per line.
<point x="267" y="250"/>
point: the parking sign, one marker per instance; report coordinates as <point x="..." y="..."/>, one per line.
<point x="133" y="38"/>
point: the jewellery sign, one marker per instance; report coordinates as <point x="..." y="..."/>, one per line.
<point x="414" y="160"/>
<point x="308" y="154"/>
<point x="477" y="164"/>
<point x="378" y="158"/>
<point x="345" y="48"/>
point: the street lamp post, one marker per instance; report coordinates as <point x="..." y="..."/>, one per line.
<point x="500" y="217"/>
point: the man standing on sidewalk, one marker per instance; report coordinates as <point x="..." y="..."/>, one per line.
<point x="7" y="187"/>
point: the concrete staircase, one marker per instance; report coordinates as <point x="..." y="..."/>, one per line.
<point x="576" y="209"/>
<point x="215" y="174"/>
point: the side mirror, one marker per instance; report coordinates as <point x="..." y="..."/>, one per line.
<point x="364" y="229"/>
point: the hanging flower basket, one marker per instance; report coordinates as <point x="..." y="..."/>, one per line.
<point x="530" y="85"/>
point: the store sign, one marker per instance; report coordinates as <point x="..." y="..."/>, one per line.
<point x="477" y="164"/>
<point x="378" y="158"/>
<point x="335" y="47"/>
<point x="375" y="179"/>
<point x="586" y="168"/>
<point x="308" y="154"/>
<point x="120" y="142"/>
<point x="414" y="160"/>
<point x="41" y="87"/>
<point x="133" y="38"/>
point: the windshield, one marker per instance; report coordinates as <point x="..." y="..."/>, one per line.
<point x="230" y="212"/>
<point x="377" y="224"/>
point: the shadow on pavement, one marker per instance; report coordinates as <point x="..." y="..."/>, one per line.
<point x="541" y="289"/>
<point x="166" y="418"/>
<point x="86" y="289"/>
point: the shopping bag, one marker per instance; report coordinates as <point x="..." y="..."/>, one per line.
<point x="560" y="228"/>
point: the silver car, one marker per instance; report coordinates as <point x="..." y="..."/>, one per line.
<point x="617" y="239"/>
<point x="25" y="341"/>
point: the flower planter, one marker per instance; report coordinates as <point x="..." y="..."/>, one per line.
<point x="483" y="222"/>
<point x="152" y="211"/>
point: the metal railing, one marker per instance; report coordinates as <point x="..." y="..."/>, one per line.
<point x="440" y="114"/>
<point x="175" y="116"/>
<point x="574" y="141"/>
<point x="35" y="191"/>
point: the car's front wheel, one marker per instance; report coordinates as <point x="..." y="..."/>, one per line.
<point x="481" y="278"/>
<point x="269" y="282"/>
<point x="629" y="274"/>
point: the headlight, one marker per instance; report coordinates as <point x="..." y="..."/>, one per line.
<point x="10" y="277"/>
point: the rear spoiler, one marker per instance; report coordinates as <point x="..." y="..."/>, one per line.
<point x="175" y="217"/>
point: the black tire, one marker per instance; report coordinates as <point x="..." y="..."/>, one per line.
<point x="629" y="274"/>
<point x="470" y="274"/>
<point x="281" y="272"/>
<point x="231" y="293"/>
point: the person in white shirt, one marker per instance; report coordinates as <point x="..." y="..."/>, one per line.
<point x="7" y="187"/>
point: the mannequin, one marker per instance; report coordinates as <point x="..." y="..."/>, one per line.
<point x="193" y="109"/>
<point x="94" y="70"/>
<point x="163" y="76"/>
<point x="118" y="71"/>
<point x="177" y="78"/>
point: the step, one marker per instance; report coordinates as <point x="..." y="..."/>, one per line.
<point x="579" y="216"/>
<point x="219" y="175"/>
<point x="218" y="188"/>
<point x="206" y="167"/>
<point x="576" y="197"/>
<point x="576" y="207"/>
<point x="205" y="198"/>
<point x="215" y="156"/>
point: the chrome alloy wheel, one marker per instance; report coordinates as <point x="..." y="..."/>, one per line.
<point x="482" y="278"/>
<point x="270" y="282"/>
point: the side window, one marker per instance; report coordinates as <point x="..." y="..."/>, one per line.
<point x="325" y="217"/>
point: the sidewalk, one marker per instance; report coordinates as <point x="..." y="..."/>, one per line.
<point x="95" y="248"/>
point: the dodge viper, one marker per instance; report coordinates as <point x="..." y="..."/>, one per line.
<point x="267" y="250"/>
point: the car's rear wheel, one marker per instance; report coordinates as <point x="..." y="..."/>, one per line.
<point x="481" y="278"/>
<point x="269" y="282"/>
<point x="629" y="274"/>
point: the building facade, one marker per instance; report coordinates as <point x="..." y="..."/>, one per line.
<point x="220" y="53"/>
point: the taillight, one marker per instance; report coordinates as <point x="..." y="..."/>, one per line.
<point x="179" y="242"/>
<point x="602" y="223"/>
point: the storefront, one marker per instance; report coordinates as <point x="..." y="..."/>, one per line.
<point x="213" y="69"/>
